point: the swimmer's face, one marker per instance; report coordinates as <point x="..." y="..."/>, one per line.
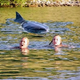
<point x="24" y="43"/>
<point x="57" y="40"/>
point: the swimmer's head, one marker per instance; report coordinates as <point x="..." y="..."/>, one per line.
<point x="24" y="42"/>
<point x="57" y="40"/>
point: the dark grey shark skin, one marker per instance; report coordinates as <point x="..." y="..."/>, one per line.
<point x="31" y="26"/>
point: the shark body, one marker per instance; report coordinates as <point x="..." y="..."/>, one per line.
<point x="31" y="26"/>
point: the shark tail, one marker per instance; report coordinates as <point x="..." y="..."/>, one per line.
<point x="19" y="18"/>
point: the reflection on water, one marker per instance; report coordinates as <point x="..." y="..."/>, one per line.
<point x="42" y="63"/>
<point x="39" y="65"/>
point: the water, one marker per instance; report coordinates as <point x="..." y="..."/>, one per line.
<point x="42" y="63"/>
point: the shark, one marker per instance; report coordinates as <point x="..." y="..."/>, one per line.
<point x="31" y="26"/>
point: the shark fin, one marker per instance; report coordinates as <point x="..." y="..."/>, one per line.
<point x="19" y="18"/>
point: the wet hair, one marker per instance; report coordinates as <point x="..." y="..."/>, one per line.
<point x="53" y="39"/>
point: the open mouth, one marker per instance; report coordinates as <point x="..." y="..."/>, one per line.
<point x="21" y="44"/>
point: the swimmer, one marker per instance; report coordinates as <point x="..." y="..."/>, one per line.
<point x="57" y="42"/>
<point x="23" y="46"/>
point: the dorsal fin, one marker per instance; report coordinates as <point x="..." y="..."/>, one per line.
<point x="19" y="18"/>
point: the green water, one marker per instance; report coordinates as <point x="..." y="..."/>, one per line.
<point x="41" y="63"/>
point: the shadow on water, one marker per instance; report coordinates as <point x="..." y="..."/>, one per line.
<point x="42" y="63"/>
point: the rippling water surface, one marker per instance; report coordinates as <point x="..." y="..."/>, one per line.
<point x="42" y="63"/>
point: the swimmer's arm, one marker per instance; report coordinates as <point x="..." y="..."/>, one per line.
<point x="16" y="47"/>
<point x="65" y="46"/>
<point x="68" y="46"/>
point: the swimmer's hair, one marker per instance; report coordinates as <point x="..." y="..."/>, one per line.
<point x="56" y="35"/>
<point x="53" y="38"/>
<point x="26" y="39"/>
